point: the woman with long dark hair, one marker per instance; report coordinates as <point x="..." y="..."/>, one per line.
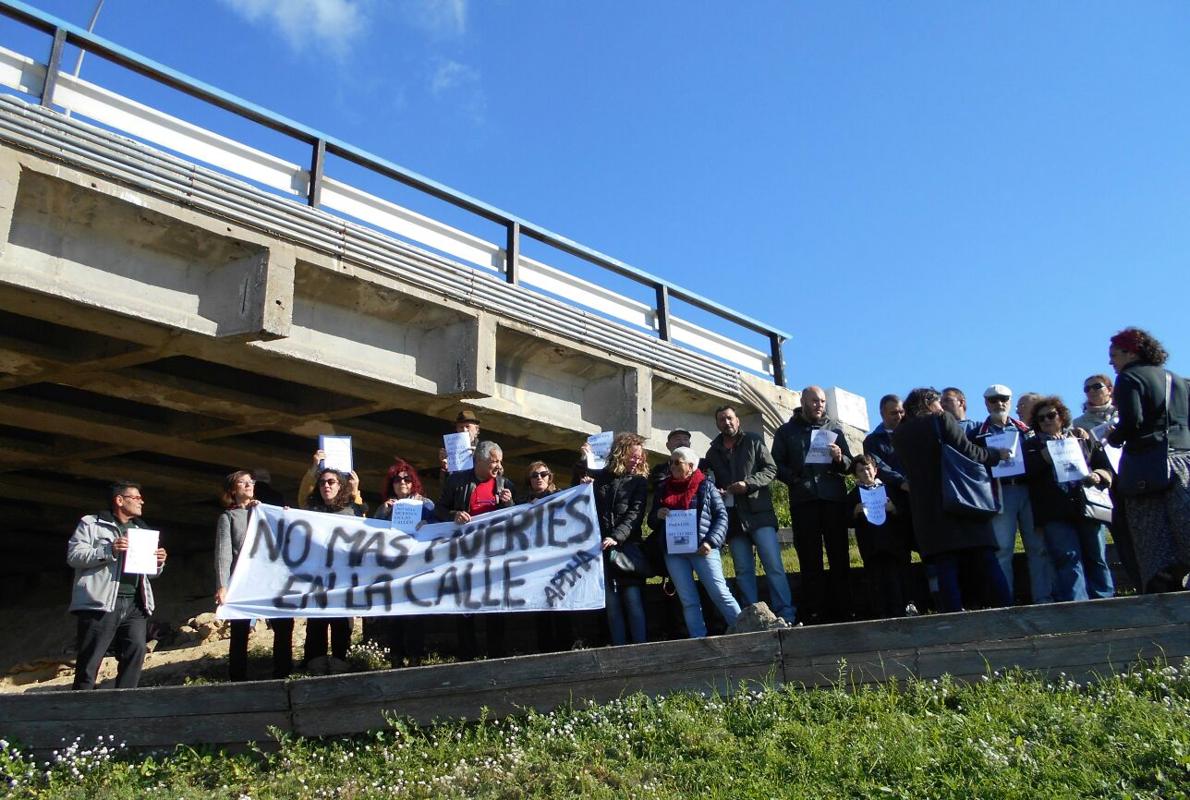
<point x="238" y="498"/>
<point x="948" y="543"/>
<point x="332" y="495"/>
<point x="1154" y="479"/>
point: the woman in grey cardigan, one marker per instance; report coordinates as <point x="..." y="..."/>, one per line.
<point x="239" y="496"/>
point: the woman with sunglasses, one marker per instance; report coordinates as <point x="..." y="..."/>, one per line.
<point x="541" y="481"/>
<point x="1077" y="544"/>
<point x="332" y="495"/>
<point x="687" y="488"/>
<point x="403" y="635"/>
<point x="239" y="496"/>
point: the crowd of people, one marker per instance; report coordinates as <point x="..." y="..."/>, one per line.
<point x="896" y="495"/>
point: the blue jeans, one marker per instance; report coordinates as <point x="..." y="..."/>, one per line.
<point x="1079" y="551"/>
<point x="625" y="597"/>
<point x="710" y="574"/>
<point x="984" y="575"/>
<point x="769" y="550"/>
<point x="1018" y="513"/>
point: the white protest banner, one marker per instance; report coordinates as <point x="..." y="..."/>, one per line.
<point x="1008" y="440"/>
<point x="141" y="556"/>
<point x="875" y="502"/>
<point x="406" y="514"/>
<point x="337" y="452"/>
<point x="538" y="557"/>
<point x="820" y="441"/>
<point x="459" y="453"/>
<point x="1069" y="462"/>
<point x="681" y="531"/>
<point x="601" y="447"/>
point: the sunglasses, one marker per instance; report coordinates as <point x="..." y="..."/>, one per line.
<point x="1048" y="416"/>
<point x="543" y="474"/>
<point x="402" y="479"/>
<point x="328" y="482"/>
<point x="999" y="398"/>
<point x="1094" y="387"/>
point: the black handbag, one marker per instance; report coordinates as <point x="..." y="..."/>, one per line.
<point x="1147" y="471"/>
<point x="629" y="559"/>
<point x="968" y="489"/>
<point x="1097" y="504"/>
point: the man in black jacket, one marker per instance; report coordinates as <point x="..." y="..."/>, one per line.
<point x="743" y="470"/>
<point x="466" y="494"/>
<point x="814" y="472"/>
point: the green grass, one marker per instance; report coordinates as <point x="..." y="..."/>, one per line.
<point x="1006" y="737"/>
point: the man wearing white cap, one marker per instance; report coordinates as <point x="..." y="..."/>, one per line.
<point x="1014" y="493"/>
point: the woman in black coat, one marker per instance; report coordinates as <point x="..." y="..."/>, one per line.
<point x="1155" y="465"/>
<point x="948" y="543"/>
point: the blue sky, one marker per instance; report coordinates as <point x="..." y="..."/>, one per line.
<point x="919" y="192"/>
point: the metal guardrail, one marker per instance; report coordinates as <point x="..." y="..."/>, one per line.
<point x="318" y="189"/>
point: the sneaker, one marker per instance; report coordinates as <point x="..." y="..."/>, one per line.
<point x="911" y="610"/>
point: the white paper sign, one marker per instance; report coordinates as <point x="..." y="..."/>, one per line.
<point x="820" y="441"/>
<point x="1069" y="462"/>
<point x="337" y="450"/>
<point x="681" y="531"/>
<point x="141" y="556"/>
<point x="406" y="514"/>
<point x="544" y="557"/>
<point x="601" y="447"/>
<point x="1113" y="453"/>
<point x="875" y="502"/>
<point x="1009" y="440"/>
<point x="459" y="453"/>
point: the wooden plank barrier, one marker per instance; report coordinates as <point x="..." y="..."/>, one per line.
<point x="1083" y="640"/>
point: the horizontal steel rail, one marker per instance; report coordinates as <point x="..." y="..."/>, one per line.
<point x="322" y="145"/>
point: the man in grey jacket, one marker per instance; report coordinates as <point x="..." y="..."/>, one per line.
<point x="110" y="605"/>
<point x="743" y="469"/>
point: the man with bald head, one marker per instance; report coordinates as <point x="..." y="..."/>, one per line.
<point x="817" y="504"/>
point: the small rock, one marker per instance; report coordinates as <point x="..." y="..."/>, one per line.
<point x="757" y="617"/>
<point x="204" y="618"/>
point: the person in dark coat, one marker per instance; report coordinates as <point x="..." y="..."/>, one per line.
<point x="947" y="542"/>
<point x="742" y="469"/>
<point x="466" y="494"/>
<point x="883" y="542"/>
<point x="817" y="505"/>
<point x="1076" y="542"/>
<point x="1155" y="436"/>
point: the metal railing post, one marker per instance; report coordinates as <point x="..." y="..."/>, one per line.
<point x="512" y="252"/>
<point x="662" y="311"/>
<point x="317" y="158"/>
<point x="52" y="67"/>
<point x="778" y="360"/>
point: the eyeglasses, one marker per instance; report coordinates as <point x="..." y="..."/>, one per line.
<point x="402" y="479"/>
<point x="133" y="498"/>
<point x="1094" y="387"/>
<point x="1048" y="416"/>
<point x="328" y="482"/>
<point x="245" y="482"/>
<point x="675" y="462"/>
<point x="542" y="474"/>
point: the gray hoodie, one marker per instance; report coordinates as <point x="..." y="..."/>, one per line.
<point x="96" y="567"/>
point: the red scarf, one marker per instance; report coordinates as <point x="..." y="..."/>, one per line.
<point x="679" y="494"/>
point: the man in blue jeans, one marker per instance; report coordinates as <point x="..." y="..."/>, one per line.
<point x="742" y="469"/>
<point x="110" y="604"/>
<point x="1014" y="493"/>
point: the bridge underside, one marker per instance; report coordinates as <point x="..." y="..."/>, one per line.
<point x="167" y="336"/>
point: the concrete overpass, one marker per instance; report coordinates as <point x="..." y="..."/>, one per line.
<point x="167" y="321"/>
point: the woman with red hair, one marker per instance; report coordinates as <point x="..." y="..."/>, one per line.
<point x="1154" y="431"/>
<point x="403" y="635"/>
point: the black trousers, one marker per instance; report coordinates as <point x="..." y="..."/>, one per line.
<point x="237" y="661"/>
<point x="316" y="635"/>
<point x="814" y="524"/>
<point x="126" y="627"/>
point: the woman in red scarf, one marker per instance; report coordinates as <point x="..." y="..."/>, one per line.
<point x="688" y="513"/>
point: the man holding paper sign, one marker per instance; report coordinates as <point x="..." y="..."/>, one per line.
<point x="111" y="602"/>
<point x="812" y="457"/>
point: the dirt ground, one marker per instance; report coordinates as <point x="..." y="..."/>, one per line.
<point x="41" y="659"/>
